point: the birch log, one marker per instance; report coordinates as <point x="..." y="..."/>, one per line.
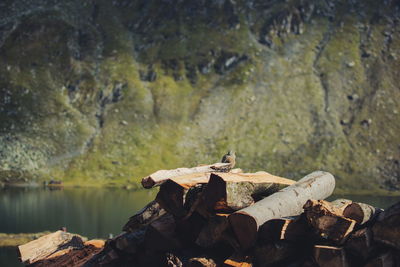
<point x="286" y="202"/>
<point x="360" y="212"/>
<point x="161" y="176"/>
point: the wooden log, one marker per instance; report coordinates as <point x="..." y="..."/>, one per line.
<point x="279" y="253"/>
<point x="295" y="229"/>
<point x="145" y="216"/>
<point x="130" y="242"/>
<point x="161" y="235"/>
<point x="227" y="192"/>
<point x="201" y="262"/>
<point x="161" y="176"/>
<point x="387" y="227"/>
<point x="360" y="212"/>
<point x="238" y="260"/>
<point x="360" y="245"/>
<point x="340" y="204"/>
<point x="189" y="228"/>
<point x="328" y="221"/>
<point x="287" y="202"/>
<point x="213" y="231"/>
<point x="42" y="247"/>
<point x="384" y="260"/>
<point x="171" y="198"/>
<point x="330" y="256"/>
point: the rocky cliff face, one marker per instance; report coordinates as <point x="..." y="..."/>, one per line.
<point x="112" y="90"/>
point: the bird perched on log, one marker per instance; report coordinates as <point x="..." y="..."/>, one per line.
<point x="229" y="157"/>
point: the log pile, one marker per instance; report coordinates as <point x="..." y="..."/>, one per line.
<point x="208" y="216"/>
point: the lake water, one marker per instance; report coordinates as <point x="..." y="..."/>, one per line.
<point x="91" y="212"/>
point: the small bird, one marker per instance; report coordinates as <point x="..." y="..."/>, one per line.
<point x="229" y="157"/>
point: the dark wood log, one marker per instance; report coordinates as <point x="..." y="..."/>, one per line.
<point x="360" y="212"/>
<point x="130" y="242"/>
<point x="361" y="245"/>
<point x="287" y="202"/>
<point x="213" y="231"/>
<point x="279" y="253"/>
<point x="161" y="235"/>
<point x="384" y="260"/>
<point x="328" y="221"/>
<point x="171" y="198"/>
<point x="229" y="192"/>
<point x="330" y="256"/>
<point x="189" y="228"/>
<point x="44" y="246"/>
<point x="161" y="176"/>
<point x="148" y="214"/>
<point x="387" y="227"/>
<point x="201" y="262"/>
<point x="295" y="229"/>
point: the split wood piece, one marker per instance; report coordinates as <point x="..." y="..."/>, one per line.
<point x="170" y="197"/>
<point x="130" y="242"/>
<point x="230" y="192"/>
<point x="287" y="202"/>
<point x="387" y="226"/>
<point x="279" y="253"/>
<point x="201" y="262"/>
<point x="161" y="176"/>
<point x="328" y="221"/>
<point x="330" y="256"/>
<point x="295" y="229"/>
<point x="341" y="204"/>
<point x="189" y="229"/>
<point x="213" y="231"/>
<point x="359" y="212"/>
<point x="44" y="246"/>
<point x="238" y="260"/>
<point x="361" y="244"/>
<point x="161" y="235"/>
<point x="148" y="214"/>
<point x="384" y="260"/>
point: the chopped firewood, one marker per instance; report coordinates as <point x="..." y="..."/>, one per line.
<point x="161" y="176"/>
<point x="278" y="253"/>
<point x="387" y="226"/>
<point x="294" y="229"/>
<point x="130" y="242"/>
<point x="201" y="262"/>
<point x="238" y="260"/>
<point x="384" y="260"/>
<point x="148" y="214"/>
<point x="361" y="244"/>
<point x="189" y="228"/>
<point x="340" y="204"/>
<point x="287" y="202"/>
<point x="328" y="221"/>
<point x="231" y="192"/>
<point x="330" y="256"/>
<point x="44" y="246"/>
<point x="213" y="231"/>
<point x="170" y="197"/>
<point x="161" y="235"/>
<point x="359" y="212"/>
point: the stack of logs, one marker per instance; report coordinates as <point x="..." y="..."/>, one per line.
<point x="206" y="216"/>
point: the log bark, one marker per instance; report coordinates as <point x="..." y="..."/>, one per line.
<point x="361" y="245"/>
<point x="384" y="260"/>
<point x="145" y="216"/>
<point x="161" y="235"/>
<point x="295" y="229"/>
<point x="341" y="204"/>
<point x="171" y="198"/>
<point x="279" y="253"/>
<point x="130" y="242"/>
<point x="287" y="202"/>
<point x="227" y="192"/>
<point x="359" y="212"/>
<point x="44" y="246"/>
<point x="387" y="227"/>
<point x="161" y="176"/>
<point x="213" y="231"/>
<point x="328" y="221"/>
<point x="330" y="256"/>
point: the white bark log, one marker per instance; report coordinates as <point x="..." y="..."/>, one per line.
<point x="286" y="202"/>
